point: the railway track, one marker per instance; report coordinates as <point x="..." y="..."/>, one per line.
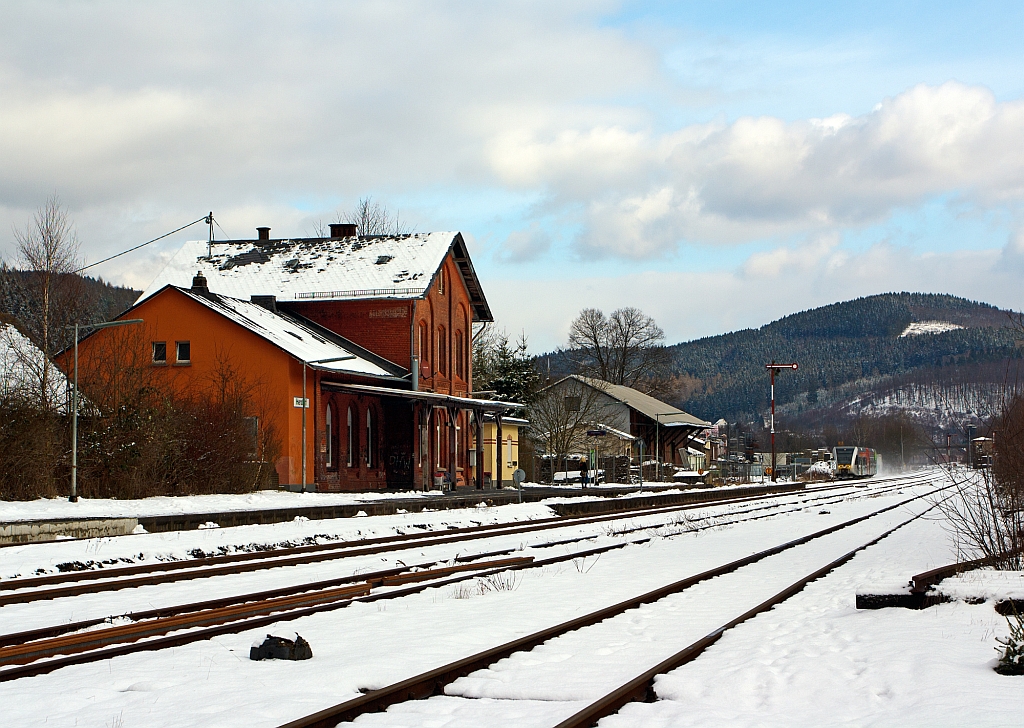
<point x="434" y="682"/>
<point x="21" y="590"/>
<point x="242" y="612"/>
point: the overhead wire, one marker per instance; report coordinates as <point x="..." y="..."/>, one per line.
<point x="204" y="218"/>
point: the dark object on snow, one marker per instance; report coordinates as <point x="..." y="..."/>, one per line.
<point x="279" y="648"/>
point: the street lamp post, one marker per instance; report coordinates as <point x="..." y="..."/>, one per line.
<point x="74" y="398"/>
<point x="772" y="368"/>
<point x="305" y="405"/>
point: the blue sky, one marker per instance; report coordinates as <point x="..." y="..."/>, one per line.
<point x="717" y="164"/>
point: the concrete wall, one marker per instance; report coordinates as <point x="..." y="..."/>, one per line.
<point x="29" y="531"/>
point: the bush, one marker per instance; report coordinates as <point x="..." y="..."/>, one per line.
<point x="1011" y="659"/>
<point x="33" y="452"/>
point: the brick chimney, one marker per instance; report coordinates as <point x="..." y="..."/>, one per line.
<point x="199" y="284"/>
<point x="263" y="232"/>
<point x="342" y="230"/>
<point x="267" y="302"/>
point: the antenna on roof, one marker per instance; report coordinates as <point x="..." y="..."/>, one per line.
<point x="209" y="244"/>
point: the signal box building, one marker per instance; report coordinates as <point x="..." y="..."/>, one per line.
<point x="362" y="345"/>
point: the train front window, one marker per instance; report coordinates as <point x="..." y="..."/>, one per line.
<point x="844" y="455"/>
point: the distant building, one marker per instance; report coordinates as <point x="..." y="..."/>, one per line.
<point x="369" y="336"/>
<point x="502" y="456"/>
<point x="661" y="427"/>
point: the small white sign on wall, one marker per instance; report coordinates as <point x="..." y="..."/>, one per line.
<point x="301" y="403"/>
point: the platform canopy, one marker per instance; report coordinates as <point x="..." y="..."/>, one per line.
<point x="434" y="398"/>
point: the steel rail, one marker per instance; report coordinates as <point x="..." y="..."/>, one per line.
<point x="112" y="580"/>
<point x="383" y="577"/>
<point x="433" y="681"/>
<point x="159" y="643"/>
<point x="299" y="610"/>
<point x="386" y="577"/>
<point x="181" y="573"/>
<point x="120" y="572"/>
<point x="641" y="688"/>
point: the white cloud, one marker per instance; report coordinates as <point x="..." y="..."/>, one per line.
<point x="765" y="287"/>
<point x="762" y="177"/>
<point x="522" y="246"/>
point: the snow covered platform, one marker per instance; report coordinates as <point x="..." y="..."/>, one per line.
<point x="56" y="518"/>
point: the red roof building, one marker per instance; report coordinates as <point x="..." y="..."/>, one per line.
<point x="373" y="334"/>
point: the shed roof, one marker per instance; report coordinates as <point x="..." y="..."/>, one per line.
<point x="645" y="404"/>
<point x="324" y="269"/>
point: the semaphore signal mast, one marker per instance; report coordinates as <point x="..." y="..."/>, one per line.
<point x="773" y="368"/>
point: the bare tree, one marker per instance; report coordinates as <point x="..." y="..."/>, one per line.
<point x="374" y="218"/>
<point x="561" y="415"/>
<point x="48" y="253"/>
<point x="623" y="348"/>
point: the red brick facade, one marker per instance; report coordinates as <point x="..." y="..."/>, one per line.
<point x="411" y="443"/>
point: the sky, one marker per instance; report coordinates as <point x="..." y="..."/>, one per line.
<point x="715" y="164"/>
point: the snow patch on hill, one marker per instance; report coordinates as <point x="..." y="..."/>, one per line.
<point x="929" y="327"/>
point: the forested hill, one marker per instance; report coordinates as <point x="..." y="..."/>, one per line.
<point x="93" y="299"/>
<point x="861" y="340"/>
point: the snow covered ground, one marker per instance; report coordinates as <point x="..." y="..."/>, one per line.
<point x="814" y="660"/>
<point x="53" y="508"/>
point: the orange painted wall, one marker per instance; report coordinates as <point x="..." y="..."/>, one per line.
<point x="171" y="316"/>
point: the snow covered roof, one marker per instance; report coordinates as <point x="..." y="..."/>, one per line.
<point x="302" y="339"/>
<point x="22" y="366"/>
<point x="645" y="404"/>
<point x="323" y="269"/>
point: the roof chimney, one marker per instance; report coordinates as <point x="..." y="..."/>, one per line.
<point x="264" y="233"/>
<point x="343" y="230"/>
<point x="199" y="284"/>
<point x="267" y="302"/>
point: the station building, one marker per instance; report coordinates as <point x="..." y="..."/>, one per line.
<point x="361" y="345"/>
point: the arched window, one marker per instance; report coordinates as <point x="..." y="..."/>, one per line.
<point x="425" y="348"/>
<point x="460" y="369"/>
<point x="328" y="431"/>
<point x="369" y="437"/>
<point x="442" y="352"/>
<point x="351" y="439"/>
<point x="440" y="282"/>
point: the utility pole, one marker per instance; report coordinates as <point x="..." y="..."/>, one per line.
<point x="209" y="243"/>
<point x="772" y="368"/>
